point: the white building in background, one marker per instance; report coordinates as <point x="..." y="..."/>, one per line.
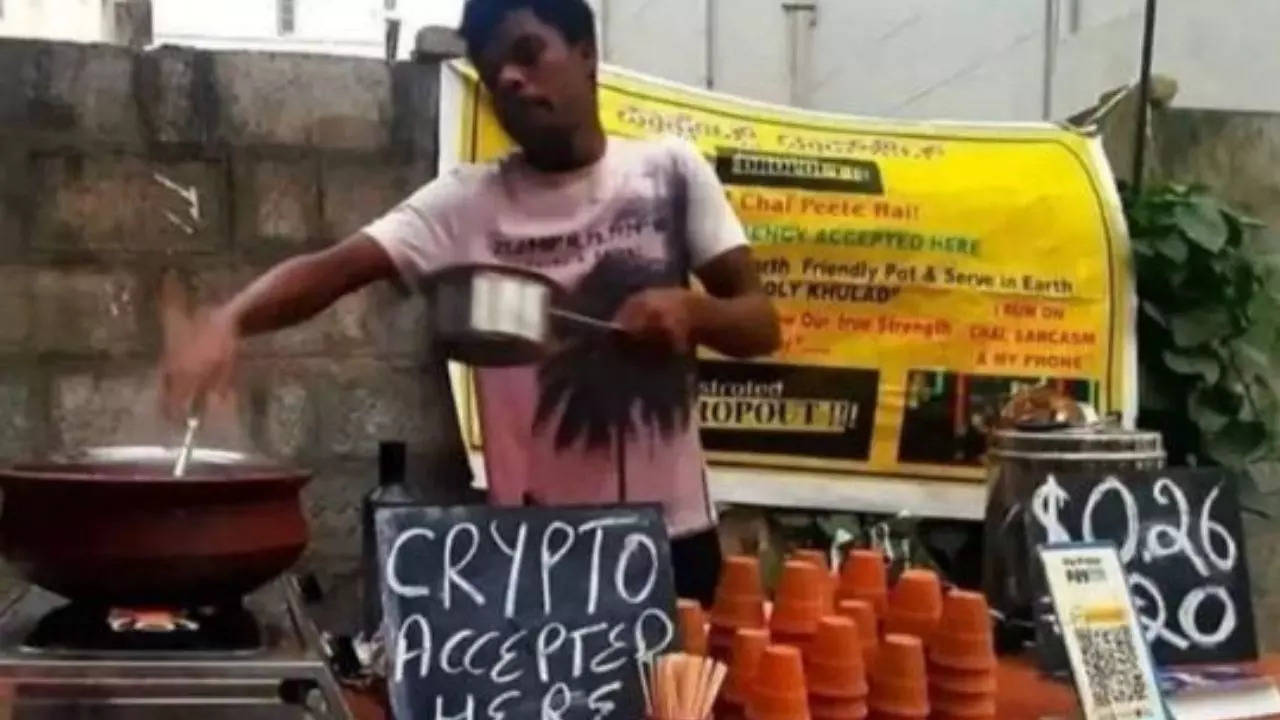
<point x="340" y="27"/>
<point x="964" y="59"/>
<point x="105" y="21"/>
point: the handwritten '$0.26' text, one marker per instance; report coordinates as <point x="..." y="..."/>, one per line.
<point x="1149" y="542"/>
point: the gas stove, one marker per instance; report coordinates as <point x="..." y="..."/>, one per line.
<point x="262" y="660"/>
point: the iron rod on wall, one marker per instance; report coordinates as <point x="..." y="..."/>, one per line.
<point x="1144" y="85"/>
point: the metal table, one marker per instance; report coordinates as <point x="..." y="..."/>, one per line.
<point x="287" y="677"/>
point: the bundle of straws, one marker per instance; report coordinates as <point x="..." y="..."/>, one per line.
<point x="681" y="686"/>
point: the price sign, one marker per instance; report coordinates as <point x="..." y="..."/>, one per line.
<point x="1181" y="543"/>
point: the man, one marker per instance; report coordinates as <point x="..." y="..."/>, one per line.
<point x="618" y="224"/>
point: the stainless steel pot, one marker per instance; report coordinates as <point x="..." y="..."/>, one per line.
<point x="1018" y="460"/>
<point x="495" y="315"/>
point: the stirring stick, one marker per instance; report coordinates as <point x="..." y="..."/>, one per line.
<point x="696" y="701"/>
<point x="717" y="681"/>
<point x="194" y="411"/>
<point x="688" y="683"/>
<point x="184" y="454"/>
<point x="655" y="681"/>
<point x="645" y="686"/>
<point x="694" y="698"/>
<point x="708" y="690"/>
<point x="675" y="665"/>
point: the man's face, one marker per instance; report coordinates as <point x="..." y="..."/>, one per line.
<point x="543" y="88"/>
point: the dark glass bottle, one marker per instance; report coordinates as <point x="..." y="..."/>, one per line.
<point x="391" y="490"/>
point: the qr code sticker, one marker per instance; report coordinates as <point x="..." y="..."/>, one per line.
<point x="1113" y="668"/>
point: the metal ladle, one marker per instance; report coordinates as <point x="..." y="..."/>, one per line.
<point x="188" y="440"/>
<point x="585" y="321"/>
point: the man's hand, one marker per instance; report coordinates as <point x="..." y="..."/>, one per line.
<point x="200" y="356"/>
<point x="734" y="317"/>
<point x="199" y="360"/>
<point x="663" y="317"/>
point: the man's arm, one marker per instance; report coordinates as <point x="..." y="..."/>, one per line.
<point x="301" y="287"/>
<point x="734" y="317"/>
<point x="200" y="359"/>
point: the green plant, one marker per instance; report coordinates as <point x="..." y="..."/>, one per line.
<point x="906" y="538"/>
<point x="1209" y="323"/>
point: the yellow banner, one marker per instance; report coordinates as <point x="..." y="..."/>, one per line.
<point x="923" y="272"/>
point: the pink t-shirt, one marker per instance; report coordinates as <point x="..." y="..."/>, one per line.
<point x="644" y="215"/>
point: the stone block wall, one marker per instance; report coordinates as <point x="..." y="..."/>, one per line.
<point x="121" y="171"/>
<point x="1234" y="153"/>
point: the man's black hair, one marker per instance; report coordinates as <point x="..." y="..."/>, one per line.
<point x="573" y="18"/>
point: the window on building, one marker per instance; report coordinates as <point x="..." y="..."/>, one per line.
<point x="390" y="5"/>
<point x="286" y="16"/>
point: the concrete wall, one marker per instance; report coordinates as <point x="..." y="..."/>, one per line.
<point x="101" y="151"/>
<point x="963" y="59"/>
<point x="1236" y="154"/>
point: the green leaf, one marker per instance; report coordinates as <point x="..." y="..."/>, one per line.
<point x="1225" y="397"/>
<point x="1263" y="251"/>
<point x="835" y="522"/>
<point x="1244" y="219"/>
<point x="1152" y="311"/>
<point x="1252" y="500"/>
<point x="1251" y="360"/>
<point x="1266" y="476"/>
<point x="793" y="520"/>
<point x="1202" y="222"/>
<point x="1204" y="364"/>
<point x="1173" y="247"/>
<point x="1198" y="327"/>
<point x="1151" y="395"/>
<point x="1237" y="443"/>
<point x="1205" y="415"/>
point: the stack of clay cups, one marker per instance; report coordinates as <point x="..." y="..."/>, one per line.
<point x="819" y="559"/>
<point x="799" y="604"/>
<point x="962" y="660"/>
<point x="778" y="691"/>
<point x="748" y="647"/>
<point x="864" y="577"/>
<point x="899" y="688"/>
<point x="739" y="604"/>
<point x="692" y="622"/>
<point x="863" y="616"/>
<point x="836" y="672"/>
<point x="915" y="604"/>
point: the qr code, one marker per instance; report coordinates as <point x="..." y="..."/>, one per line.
<point x="1111" y="663"/>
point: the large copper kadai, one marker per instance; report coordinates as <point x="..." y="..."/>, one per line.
<point x="112" y="526"/>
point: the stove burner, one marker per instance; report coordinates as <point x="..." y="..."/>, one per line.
<point x="74" y="627"/>
<point x="151" y="620"/>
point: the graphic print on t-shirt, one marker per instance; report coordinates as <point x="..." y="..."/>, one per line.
<point x="598" y="386"/>
<point x="597" y="379"/>
<point x="635" y="219"/>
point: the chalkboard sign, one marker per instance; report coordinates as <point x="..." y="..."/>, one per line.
<point x="1182" y="545"/>
<point x="523" y="613"/>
